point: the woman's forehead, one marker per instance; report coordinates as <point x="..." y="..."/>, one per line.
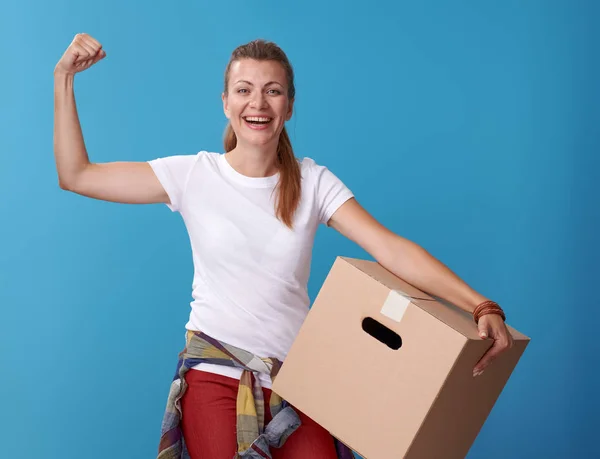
<point x="257" y="72"/>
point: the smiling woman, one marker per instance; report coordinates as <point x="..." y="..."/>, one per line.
<point x="252" y="213"/>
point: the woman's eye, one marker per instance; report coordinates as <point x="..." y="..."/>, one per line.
<point x="242" y="90"/>
<point x="274" y="91"/>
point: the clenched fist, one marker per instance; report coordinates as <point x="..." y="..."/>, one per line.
<point x="81" y="54"/>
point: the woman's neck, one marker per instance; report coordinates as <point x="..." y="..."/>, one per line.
<point x="253" y="162"/>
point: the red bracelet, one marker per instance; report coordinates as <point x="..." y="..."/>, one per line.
<point x="488" y="307"/>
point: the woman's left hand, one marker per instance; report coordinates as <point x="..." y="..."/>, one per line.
<point x="491" y="326"/>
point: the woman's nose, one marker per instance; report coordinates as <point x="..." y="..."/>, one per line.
<point x="258" y="100"/>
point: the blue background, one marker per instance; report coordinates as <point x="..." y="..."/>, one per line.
<point x="469" y="127"/>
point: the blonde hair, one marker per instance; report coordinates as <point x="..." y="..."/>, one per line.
<point x="289" y="185"/>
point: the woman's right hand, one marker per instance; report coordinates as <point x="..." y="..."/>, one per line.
<point x="83" y="52"/>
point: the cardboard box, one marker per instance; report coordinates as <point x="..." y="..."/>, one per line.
<point x="388" y="369"/>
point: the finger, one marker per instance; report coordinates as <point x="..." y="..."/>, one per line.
<point x="92" y="41"/>
<point x="101" y="55"/>
<point x="488" y="358"/>
<point x="79" y="52"/>
<point x="91" y="52"/>
<point x="483" y="330"/>
<point x="93" y="45"/>
<point x="497" y="348"/>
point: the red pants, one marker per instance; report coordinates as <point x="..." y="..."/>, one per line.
<point x="209" y="422"/>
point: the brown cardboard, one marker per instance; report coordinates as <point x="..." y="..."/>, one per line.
<point x="417" y="402"/>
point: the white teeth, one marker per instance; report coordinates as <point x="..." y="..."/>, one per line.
<point x="257" y="118"/>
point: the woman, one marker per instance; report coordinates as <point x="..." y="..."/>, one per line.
<point x="251" y="213"/>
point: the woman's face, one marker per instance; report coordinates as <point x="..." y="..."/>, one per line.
<point x="256" y="103"/>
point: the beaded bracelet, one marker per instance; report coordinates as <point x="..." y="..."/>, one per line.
<point x="488" y="307"/>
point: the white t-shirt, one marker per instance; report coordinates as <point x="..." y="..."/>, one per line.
<point x="250" y="270"/>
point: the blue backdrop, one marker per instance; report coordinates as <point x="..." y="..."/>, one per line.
<point x="468" y="127"/>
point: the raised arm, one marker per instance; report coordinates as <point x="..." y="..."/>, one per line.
<point x="125" y="182"/>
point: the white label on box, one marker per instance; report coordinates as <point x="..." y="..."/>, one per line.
<point x="395" y="305"/>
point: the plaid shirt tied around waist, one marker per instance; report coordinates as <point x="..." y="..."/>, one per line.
<point x="254" y="439"/>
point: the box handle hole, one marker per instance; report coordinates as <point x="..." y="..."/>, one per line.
<point x="381" y="333"/>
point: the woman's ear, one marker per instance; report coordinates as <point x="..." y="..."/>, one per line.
<point x="225" y="105"/>
<point x="290" y="110"/>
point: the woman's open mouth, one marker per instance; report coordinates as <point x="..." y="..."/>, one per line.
<point x="257" y="122"/>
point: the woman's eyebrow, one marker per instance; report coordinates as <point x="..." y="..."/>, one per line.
<point x="266" y="84"/>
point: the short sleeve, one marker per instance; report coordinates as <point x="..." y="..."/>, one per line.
<point x="331" y="193"/>
<point x="173" y="173"/>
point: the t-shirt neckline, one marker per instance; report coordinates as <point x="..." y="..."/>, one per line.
<point x="254" y="182"/>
